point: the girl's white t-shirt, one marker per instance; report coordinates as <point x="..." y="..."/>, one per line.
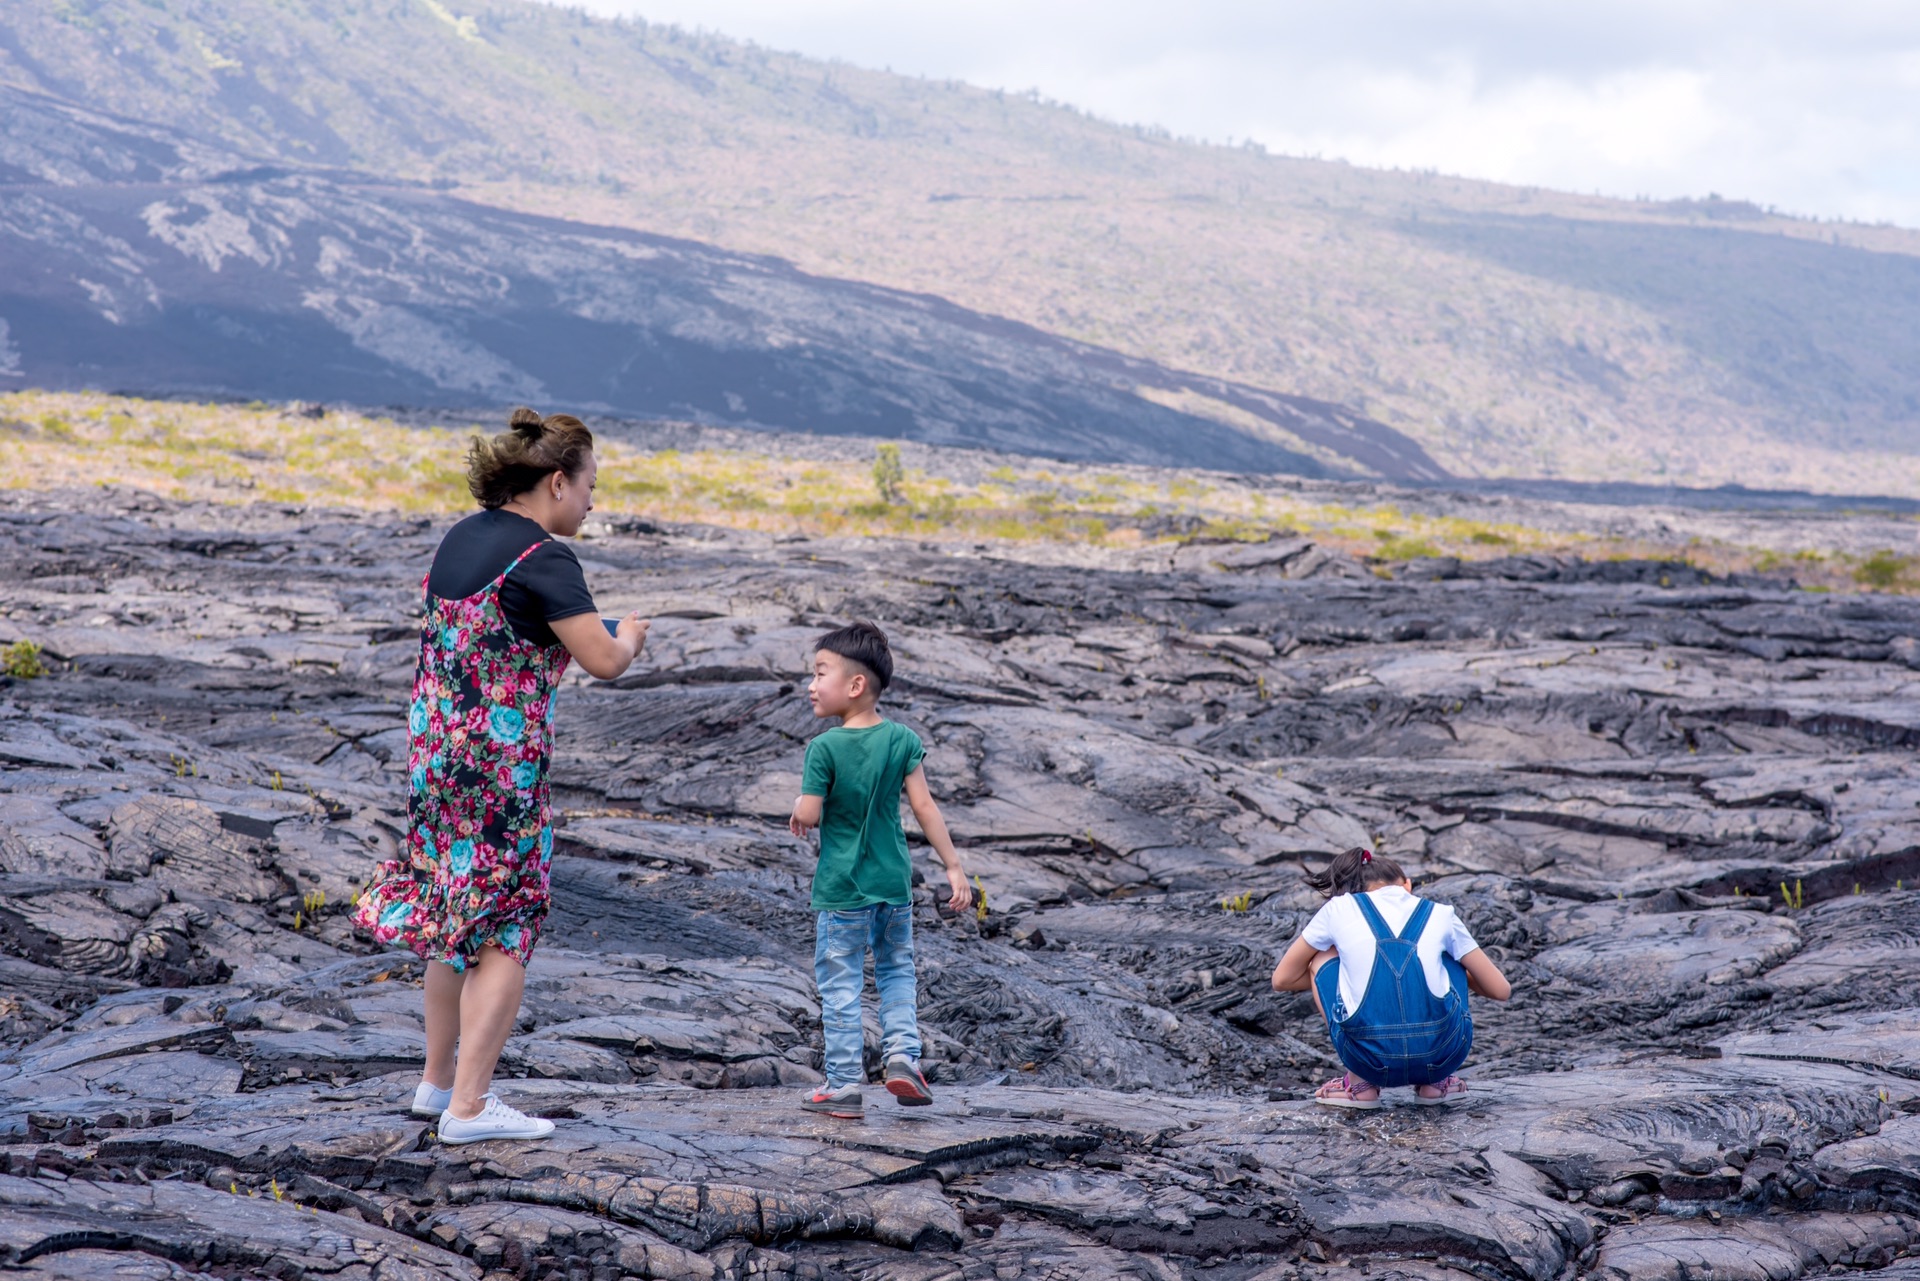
<point x="1341" y="926"/>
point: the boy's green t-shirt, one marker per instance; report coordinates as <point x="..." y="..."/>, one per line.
<point x="863" y="851"/>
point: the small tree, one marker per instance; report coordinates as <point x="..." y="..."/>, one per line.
<point x="889" y="474"/>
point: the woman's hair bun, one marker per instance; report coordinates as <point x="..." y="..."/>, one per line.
<point x="531" y="449"/>
<point x="526" y="423"/>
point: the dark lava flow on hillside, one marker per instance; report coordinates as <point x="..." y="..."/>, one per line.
<point x="1611" y="771"/>
<point x="186" y="269"/>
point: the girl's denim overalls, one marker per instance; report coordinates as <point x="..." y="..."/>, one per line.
<point x="1402" y="1034"/>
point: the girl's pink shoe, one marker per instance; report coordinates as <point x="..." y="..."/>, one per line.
<point x="1440" y="1091"/>
<point x="1348" y="1091"/>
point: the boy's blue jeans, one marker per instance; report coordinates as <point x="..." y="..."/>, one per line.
<point x="841" y="941"/>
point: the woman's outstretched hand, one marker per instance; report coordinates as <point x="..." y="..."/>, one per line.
<point x="604" y="656"/>
<point x="633" y="630"/>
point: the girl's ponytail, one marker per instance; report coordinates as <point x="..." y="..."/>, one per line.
<point x="1354" y="872"/>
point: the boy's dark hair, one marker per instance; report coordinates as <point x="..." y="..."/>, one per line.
<point x="864" y="643"/>
<point x="1354" y="872"/>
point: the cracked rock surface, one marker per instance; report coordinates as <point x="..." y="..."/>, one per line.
<point x="204" y="1073"/>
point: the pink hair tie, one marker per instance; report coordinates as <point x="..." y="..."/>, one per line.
<point x="1366" y="856"/>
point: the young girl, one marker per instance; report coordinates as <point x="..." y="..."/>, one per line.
<point x="1391" y="973"/>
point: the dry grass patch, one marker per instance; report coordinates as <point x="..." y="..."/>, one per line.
<point x="257" y="452"/>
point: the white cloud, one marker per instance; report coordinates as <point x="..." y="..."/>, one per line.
<point x="1811" y="105"/>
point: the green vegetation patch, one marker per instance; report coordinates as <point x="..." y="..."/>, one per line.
<point x="21" y="660"/>
<point x="1886" y="571"/>
<point x="1397" y="546"/>
<point x="251" y="453"/>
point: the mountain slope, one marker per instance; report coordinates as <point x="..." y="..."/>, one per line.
<point x="131" y="258"/>
<point x="1510" y="331"/>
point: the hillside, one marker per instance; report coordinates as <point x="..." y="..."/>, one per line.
<point x="132" y="257"/>
<point x="1509" y="331"/>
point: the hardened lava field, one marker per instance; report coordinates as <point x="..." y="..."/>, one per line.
<point x="1680" y="811"/>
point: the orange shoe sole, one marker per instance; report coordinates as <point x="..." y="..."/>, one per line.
<point x="909" y="1092"/>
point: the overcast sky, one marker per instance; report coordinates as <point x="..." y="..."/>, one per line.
<point x="1810" y="106"/>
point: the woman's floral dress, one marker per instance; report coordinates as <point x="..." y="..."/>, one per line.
<point x="480" y="732"/>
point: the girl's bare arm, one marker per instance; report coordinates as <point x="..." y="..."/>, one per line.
<point x="1295" y="971"/>
<point x="1484" y="977"/>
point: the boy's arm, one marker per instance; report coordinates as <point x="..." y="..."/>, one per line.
<point x="927" y="814"/>
<point x="816" y="778"/>
<point x="1484" y="977"/>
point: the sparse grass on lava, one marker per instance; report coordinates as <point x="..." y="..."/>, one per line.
<point x="263" y="453"/>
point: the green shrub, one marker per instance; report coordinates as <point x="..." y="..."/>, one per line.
<point x="1236" y="530"/>
<point x="1394" y="546"/>
<point x="22" y="660"/>
<point x="1882" y="571"/>
<point x="889" y="474"/>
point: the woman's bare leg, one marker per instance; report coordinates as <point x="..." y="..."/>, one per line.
<point x="489" y="1006"/>
<point x="443" y="1022"/>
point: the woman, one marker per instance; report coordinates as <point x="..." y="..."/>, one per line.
<point x="506" y="608"/>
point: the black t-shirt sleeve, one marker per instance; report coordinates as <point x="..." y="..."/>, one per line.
<point x="547" y="586"/>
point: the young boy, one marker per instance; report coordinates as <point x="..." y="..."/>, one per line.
<point x="863" y="884"/>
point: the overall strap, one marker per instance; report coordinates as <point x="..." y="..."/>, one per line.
<point x="517" y="559"/>
<point x="1417" y="923"/>
<point x="1375" y="921"/>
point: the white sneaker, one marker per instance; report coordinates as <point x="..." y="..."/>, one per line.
<point x="429" y="1101"/>
<point x="496" y="1121"/>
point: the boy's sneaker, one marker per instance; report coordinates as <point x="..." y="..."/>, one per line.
<point x="429" y="1101"/>
<point x="496" y="1121"/>
<point x="906" y="1082"/>
<point x="844" y="1102"/>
